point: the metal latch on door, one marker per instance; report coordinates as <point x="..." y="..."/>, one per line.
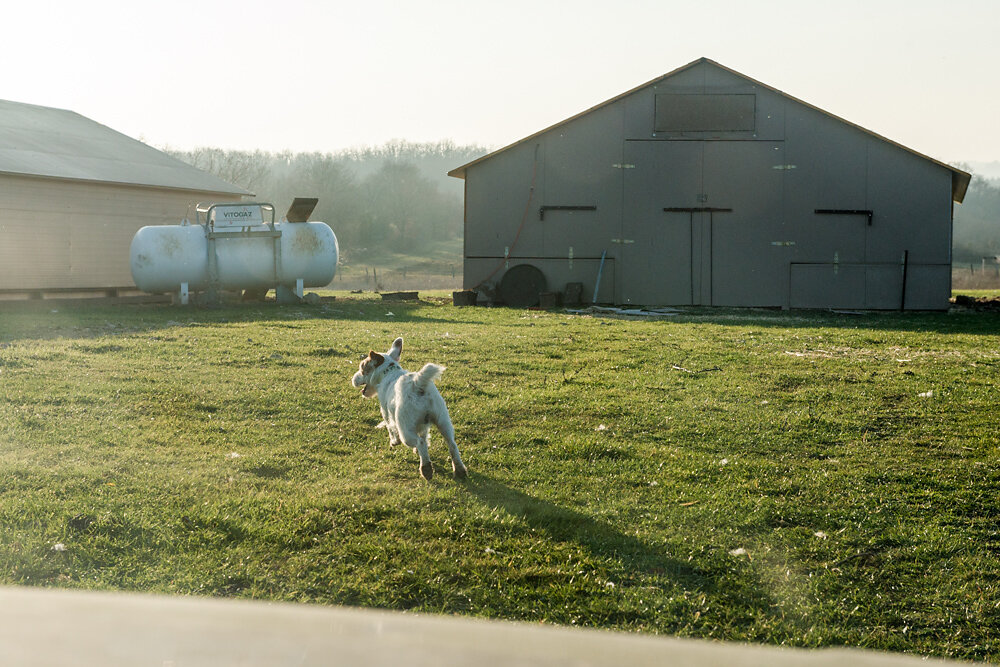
<point x="623" y="241"/>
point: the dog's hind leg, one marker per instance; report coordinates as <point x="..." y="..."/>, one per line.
<point x="448" y="433"/>
<point x="419" y="445"/>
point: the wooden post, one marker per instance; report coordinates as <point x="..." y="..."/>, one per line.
<point x="902" y="296"/>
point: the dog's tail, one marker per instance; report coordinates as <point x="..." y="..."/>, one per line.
<point x="429" y="373"/>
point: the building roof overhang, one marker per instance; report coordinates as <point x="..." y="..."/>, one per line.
<point x="49" y="143"/>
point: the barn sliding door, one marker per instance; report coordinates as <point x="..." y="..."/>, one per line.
<point x="702" y="223"/>
<point x="749" y="264"/>
<point x="660" y="250"/>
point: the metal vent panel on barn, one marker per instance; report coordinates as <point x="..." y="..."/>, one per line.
<point x="705" y="113"/>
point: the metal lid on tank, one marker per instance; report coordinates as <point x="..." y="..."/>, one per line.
<point x="301" y="209"/>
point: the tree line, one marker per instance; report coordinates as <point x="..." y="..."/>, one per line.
<point x="398" y="196"/>
<point x="977" y="222"/>
<point x="395" y="197"/>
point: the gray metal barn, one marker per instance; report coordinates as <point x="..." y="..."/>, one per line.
<point x="74" y="192"/>
<point x="706" y="187"/>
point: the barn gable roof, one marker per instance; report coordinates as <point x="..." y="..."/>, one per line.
<point x="56" y="143"/>
<point x="959" y="179"/>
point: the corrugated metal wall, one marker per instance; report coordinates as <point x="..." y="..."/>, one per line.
<point x="65" y="234"/>
<point x="742" y="229"/>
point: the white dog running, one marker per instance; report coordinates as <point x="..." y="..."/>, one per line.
<point x="410" y="403"/>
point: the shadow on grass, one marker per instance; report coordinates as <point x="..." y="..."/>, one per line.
<point x="39" y="320"/>
<point x="600" y="539"/>
<point x="30" y="321"/>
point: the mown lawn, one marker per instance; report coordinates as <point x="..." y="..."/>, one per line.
<point x="807" y="479"/>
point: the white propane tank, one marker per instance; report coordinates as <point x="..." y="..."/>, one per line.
<point x="164" y="256"/>
<point x="172" y="258"/>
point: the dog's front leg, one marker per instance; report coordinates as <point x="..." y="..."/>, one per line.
<point x="390" y="426"/>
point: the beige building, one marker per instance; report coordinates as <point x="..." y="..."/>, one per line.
<point x="74" y="192"/>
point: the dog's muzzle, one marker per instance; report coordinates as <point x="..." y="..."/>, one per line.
<point x="358" y="380"/>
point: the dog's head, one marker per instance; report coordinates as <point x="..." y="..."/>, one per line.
<point x="368" y="375"/>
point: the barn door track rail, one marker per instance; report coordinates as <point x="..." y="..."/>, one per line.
<point x="696" y="209"/>
<point x="847" y="211"/>
<point x="543" y="209"/>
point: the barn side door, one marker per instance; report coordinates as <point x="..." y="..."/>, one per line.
<point x="744" y="183"/>
<point x="661" y="250"/>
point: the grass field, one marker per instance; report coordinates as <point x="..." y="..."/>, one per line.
<point x="978" y="293"/>
<point x="805" y="479"/>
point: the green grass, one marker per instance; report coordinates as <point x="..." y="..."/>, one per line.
<point x="977" y="293"/>
<point x="804" y="479"/>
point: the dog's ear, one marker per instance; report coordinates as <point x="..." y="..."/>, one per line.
<point x="376" y="358"/>
<point x="396" y="349"/>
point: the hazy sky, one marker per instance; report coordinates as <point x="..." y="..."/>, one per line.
<point x="322" y="76"/>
